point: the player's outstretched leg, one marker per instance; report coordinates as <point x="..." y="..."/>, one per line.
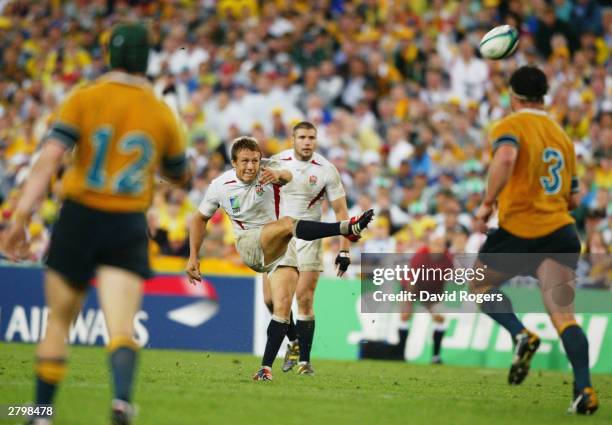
<point x="352" y="228"/>
<point x="276" y="235"/>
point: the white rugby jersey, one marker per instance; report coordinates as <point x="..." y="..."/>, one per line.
<point x="312" y="180"/>
<point x="248" y="205"/>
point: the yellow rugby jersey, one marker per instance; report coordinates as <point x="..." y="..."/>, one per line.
<point x="121" y="133"/>
<point x="535" y="200"/>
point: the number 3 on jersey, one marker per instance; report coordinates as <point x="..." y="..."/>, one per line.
<point x="553" y="182"/>
<point x="127" y="181"/>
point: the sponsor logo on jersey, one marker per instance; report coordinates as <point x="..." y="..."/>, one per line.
<point x="235" y="204"/>
<point x="259" y="190"/>
<point x="312" y="180"/>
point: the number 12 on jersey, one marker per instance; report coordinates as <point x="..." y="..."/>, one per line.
<point x="129" y="179"/>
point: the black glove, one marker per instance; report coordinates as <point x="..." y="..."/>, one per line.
<point x="343" y="260"/>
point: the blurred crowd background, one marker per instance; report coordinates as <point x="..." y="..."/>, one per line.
<point x="400" y="96"/>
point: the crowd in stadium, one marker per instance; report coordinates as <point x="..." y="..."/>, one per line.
<point x="400" y="97"/>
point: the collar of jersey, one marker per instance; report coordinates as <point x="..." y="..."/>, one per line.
<point x="532" y="111"/>
<point x="125" y="78"/>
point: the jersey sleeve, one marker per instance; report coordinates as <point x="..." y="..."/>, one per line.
<point x="271" y="163"/>
<point x="174" y="158"/>
<point x="66" y="127"/>
<point x="210" y="203"/>
<point x="334" y="188"/>
<point x="503" y="133"/>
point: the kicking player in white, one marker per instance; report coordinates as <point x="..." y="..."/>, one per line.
<point x="314" y="179"/>
<point x="250" y="196"/>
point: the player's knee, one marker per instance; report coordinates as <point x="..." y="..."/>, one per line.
<point x="477" y="287"/>
<point x="282" y="305"/>
<point x="404" y="317"/>
<point x="282" y="309"/>
<point x="437" y="318"/>
<point x="288" y="223"/>
<point x="305" y="306"/>
<point x="304" y="294"/>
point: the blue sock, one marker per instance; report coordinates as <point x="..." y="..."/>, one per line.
<point x="45" y="391"/>
<point x="502" y="313"/>
<point x="576" y="346"/>
<point x="123" y="365"/>
<point x="49" y="373"/>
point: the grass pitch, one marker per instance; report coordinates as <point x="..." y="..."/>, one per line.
<point x="184" y="388"/>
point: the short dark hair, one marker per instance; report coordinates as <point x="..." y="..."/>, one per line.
<point x="244" y="143"/>
<point x="528" y="83"/>
<point x="307" y="125"/>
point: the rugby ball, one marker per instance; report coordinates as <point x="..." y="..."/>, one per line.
<point x="499" y="43"/>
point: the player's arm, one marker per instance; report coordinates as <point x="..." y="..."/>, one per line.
<point x="197" y="233"/>
<point x="500" y="170"/>
<point x="62" y="136"/>
<point x="505" y="152"/>
<point x="14" y="244"/>
<point x="343" y="259"/>
<point x="44" y="168"/>
<point x="280" y="177"/>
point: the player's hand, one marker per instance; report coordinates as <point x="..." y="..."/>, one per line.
<point x="482" y="216"/>
<point x="14" y="244"/>
<point x="193" y="271"/>
<point x="267" y="175"/>
<point x="343" y="260"/>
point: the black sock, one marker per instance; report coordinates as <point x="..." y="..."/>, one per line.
<point x="401" y="345"/>
<point x="305" y="330"/>
<point x="49" y="373"/>
<point x="123" y="366"/>
<point x="403" y="337"/>
<point x="502" y="313"/>
<point x="312" y="230"/>
<point x="576" y="346"/>
<point x="277" y="329"/>
<point x="291" y="330"/>
<point x="438" y="334"/>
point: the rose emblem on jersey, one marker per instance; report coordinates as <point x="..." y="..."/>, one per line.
<point x="259" y="190"/>
<point x="235" y="204"/>
<point x="312" y="180"/>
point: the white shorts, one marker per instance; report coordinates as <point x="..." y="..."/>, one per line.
<point x="306" y="256"/>
<point x="248" y="244"/>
